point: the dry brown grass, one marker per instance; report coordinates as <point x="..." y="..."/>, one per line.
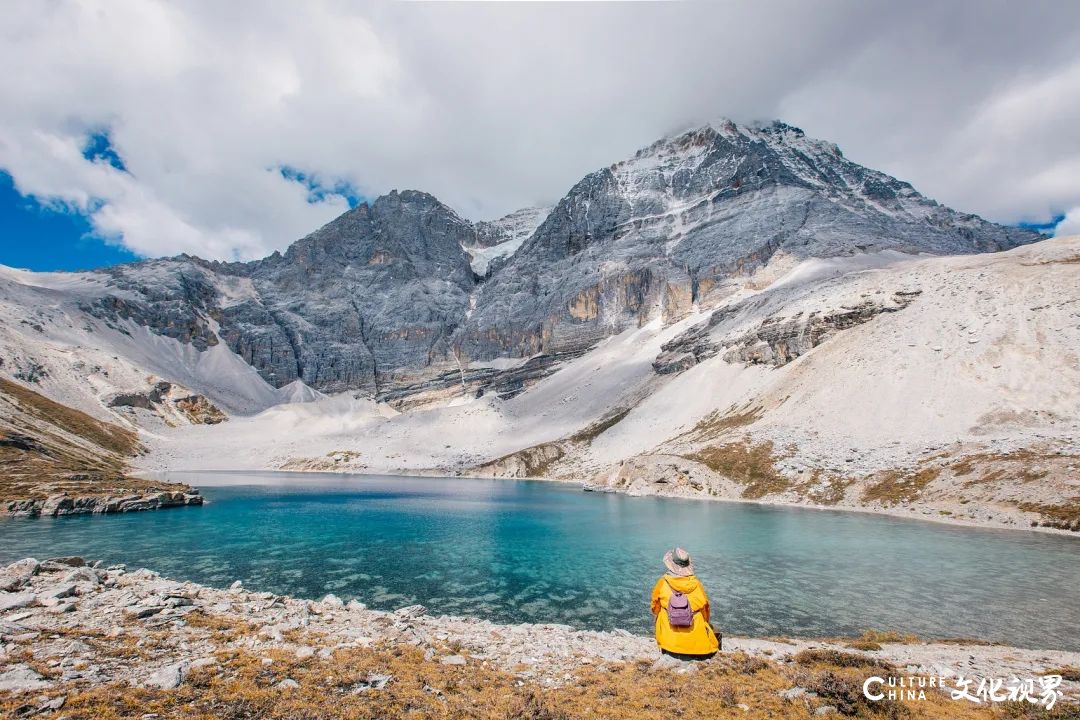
<point x="1068" y="672"/>
<point x="872" y="639"/>
<point x="1065" y="516"/>
<point x="242" y="686"/>
<point x="752" y="465"/>
<point x="1023" y="465"/>
<point x="896" y="487"/>
<point x="824" y="489"/>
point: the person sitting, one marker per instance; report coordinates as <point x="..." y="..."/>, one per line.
<point x="681" y="608"/>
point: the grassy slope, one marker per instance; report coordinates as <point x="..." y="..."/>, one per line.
<point x="48" y="448"/>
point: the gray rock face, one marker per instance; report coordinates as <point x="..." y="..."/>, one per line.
<point x="383" y="299"/>
<point x="653" y="235"/>
<point x="777" y="341"/>
<point x="375" y="293"/>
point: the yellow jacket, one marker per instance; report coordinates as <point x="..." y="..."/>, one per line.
<point x="699" y="639"/>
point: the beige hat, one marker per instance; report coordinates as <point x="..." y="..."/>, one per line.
<point x="678" y="562"/>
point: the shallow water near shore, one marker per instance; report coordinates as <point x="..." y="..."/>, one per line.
<point x="526" y="551"/>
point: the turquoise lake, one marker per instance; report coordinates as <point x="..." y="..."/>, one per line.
<point x="520" y="551"/>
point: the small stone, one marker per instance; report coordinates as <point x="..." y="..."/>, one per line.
<point x="453" y="660"/>
<point x="410" y="612"/>
<point x="17" y="600"/>
<point x="20" y="678"/>
<point x="168" y="677"/>
<point x="304" y="652"/>
<point x="55" y="704"/>
<point x="374" y="681"/>
<point x="83" y="574"/>
<point x="825" y="710"/>
<point x="237" y="585"/>
<point x="267" y="662"/>
<point x="356" y="605"/>
<point x="792" y="693"/>
<point x="61" y="608"/>
<point x="326" y="653"/>
<point x="59" y="591"/>
<point x="203" y="662"/>
<point x="73" y="561"/>
<point x="332" y="600"/>
<point x="287" y="684"/>
<point x="142" y="611"/>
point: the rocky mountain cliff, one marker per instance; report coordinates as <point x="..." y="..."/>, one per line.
<point x="687" y="218"/>
<point x="390" y="299"/>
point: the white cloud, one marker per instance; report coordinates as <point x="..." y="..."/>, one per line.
<point x="495" y="106"/>
<point x="1069" y="225"/>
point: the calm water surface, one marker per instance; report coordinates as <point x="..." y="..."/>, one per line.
<point x="520" y="551"/>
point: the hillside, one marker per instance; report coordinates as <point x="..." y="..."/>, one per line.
<point x="944" y="387"/>
<point x="56" y="460"/>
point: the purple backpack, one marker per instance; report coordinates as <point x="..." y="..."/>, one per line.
<point x="679" y="614"/>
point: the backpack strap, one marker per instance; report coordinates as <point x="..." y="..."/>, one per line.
<point x="679" y="592"/>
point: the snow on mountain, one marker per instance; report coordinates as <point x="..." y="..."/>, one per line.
<point x="501" y="238"/>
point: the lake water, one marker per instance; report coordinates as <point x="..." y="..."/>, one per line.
<point x="519" y="551"/>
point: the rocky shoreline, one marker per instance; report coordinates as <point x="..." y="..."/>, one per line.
<point x="59" y="617"/>
<point x="64" y="504"/>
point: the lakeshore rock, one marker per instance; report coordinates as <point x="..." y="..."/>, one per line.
<point x="18" y="574"/>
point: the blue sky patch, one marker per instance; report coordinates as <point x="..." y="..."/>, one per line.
<point x="319" y="189"/>
<point x="42" y="237"/>
<point x="1046" y="228"/>
<point x="99" y="148"/>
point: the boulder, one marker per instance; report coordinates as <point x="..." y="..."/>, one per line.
<point x="13" y="601"/>
<point x="374" y="681"/>
<point x="18" y="574"/>
<point x="21" y="678"/>
<point x="71" y="561"/>
<point x="63" y="590"/>
<point x="58" y="505"/>
<point x="410" y="612"/>
<point x="142" y="611"/>
<point x="168" y="677"/>
<point x="83" y="574"/>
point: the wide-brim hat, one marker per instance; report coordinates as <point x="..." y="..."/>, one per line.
<point x="678" y="562"/>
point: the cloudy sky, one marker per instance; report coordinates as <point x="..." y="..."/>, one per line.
<point x="229" y="130"/>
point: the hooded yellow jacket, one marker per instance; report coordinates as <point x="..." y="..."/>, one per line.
<point x="699" y="639"/>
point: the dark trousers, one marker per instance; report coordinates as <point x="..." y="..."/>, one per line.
<point x="687" y="658"/>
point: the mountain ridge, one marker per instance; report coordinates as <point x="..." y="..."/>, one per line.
<point x="387" y="298"/>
